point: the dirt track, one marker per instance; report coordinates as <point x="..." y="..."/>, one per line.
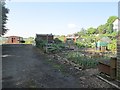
<point x="23" y="66"/>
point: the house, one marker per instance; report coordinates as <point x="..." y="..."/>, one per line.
<point x="116" y="25"/>
<point x="46" y="37"/>
<point x="14" y="40"/>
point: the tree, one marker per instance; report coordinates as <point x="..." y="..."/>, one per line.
<point x="107" y="27"/>
<point x="101" y="29"/>
<point x="82" y="32"/>
<point x="3" y="11"/>
<point x="91" y="30"/>
<point x="109" y="24"/>
<point x="111" y="19"/>
<point x="110" y="28"/>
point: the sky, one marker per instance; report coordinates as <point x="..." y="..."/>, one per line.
<point x="59" y="18"/>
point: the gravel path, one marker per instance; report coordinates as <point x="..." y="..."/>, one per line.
<point x="23" y="66"/>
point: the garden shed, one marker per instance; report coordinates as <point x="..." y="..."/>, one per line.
<point x="46" y="37"/>
<point x="103" y="43"/>
<point x="14" y="39"/>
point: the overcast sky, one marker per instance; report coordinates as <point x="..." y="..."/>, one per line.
<point x="28" y="18"/>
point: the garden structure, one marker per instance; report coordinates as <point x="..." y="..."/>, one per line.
<point x="108" y="67"/>
<point x="102" y="44"/>
<point x="44" y="41"/>
<point x="14" y="40"/>
<point x="45" y="37"/>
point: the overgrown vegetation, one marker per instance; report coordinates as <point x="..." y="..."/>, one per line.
<point x="54" y="47"/>
<point x="84" y="60"/>
<point x="40" y="43"/>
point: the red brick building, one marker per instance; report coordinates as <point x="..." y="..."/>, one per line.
<point x="14" y="39"/>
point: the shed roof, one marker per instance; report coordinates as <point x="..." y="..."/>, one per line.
<point x="105" y="39"/>
<point x="13" y="36"/>
<point x="44" y="34"/>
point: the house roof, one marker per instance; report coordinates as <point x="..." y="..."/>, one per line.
<point x="13" y="36"/>
<point x="116" y="20"/>
<point x="105" y="39"/>
<point x="44" y="34"/>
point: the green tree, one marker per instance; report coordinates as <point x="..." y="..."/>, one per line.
<point x="3" y="11"/>
<point x="101" y="29"/>
<point x="111" y="19"/>
<point x="82" y="32"/>
<point x="110" y="28"/>
<point x="109" y="24"/>
<point x="91" y="30"/>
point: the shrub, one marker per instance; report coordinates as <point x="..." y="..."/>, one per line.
<point x="40" y="43"/>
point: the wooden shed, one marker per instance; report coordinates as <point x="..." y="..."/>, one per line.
<point x="46" y="37"/>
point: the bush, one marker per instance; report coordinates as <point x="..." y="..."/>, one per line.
<point x="113" y="45"/>
<point x="56" y="48"/>
<point x="57" y="41"/>
<point x="40" y="43"/>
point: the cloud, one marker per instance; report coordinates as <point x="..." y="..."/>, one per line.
<point x="72" y="26"/>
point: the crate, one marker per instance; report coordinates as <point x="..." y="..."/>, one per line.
<point x="108" y="67"/>
<point x="104" y="68"/>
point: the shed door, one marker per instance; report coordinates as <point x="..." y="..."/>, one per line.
<point x="14" y="40"/>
